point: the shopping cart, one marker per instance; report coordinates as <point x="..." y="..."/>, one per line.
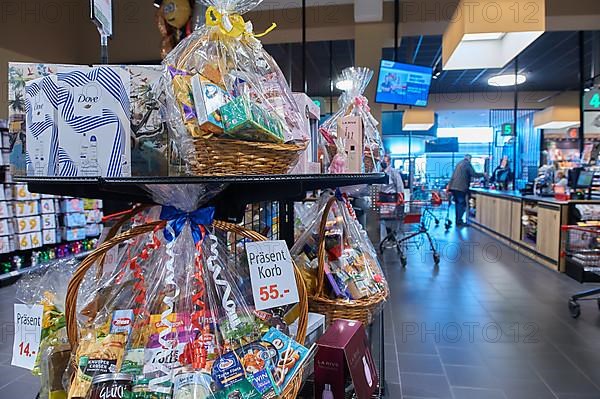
<point x="582" y="258"/>
<point x="407" y="224"/>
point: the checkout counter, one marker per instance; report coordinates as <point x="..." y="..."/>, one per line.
<point x="530" y="224"/>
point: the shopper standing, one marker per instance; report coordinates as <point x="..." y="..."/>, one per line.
<point x="389" y="192"/>
<point x="459" y="187"/>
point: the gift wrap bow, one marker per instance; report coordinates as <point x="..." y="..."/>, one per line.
<point x="176" y="219"/>
<point x="362" y="103"/>
<point x="233" y="25"/>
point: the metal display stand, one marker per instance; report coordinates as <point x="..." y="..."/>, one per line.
<point x="230" y="203"/>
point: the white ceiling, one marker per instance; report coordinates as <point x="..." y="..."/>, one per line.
<point x="464" y="118"/>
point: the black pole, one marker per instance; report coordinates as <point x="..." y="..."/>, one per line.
<point x="515" y="115"/>
<point x="396" y="25"/>
<point x="304" y="45"/>
<point x="103" y="49"/>
<point x="581" y="91"/>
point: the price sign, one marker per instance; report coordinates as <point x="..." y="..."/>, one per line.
<point x="28" y="331"/>
<point x="508" y="129"/>
<point x="271" y="274"/>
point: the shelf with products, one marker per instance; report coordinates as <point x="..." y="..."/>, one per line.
<point x="30" y="269"/>
<point x="529" y="219"/>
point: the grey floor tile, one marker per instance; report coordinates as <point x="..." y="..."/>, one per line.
<point x="425" y="386"/>
<point x="418" y="363"/>
<point x="460" y="356"/>
<point x="569" y="381"/>
<point x="471" y="377"/>
<point x="475" y="393"/>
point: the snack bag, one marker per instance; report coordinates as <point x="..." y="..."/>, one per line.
<point x="222" y="84"/>
<point x="351" y="136"/>
<point x="351" y="268"/>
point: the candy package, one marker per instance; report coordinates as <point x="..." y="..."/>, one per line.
<point x="352" y="141"/>
<point x="222" y="85"/>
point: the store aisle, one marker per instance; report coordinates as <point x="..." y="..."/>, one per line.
<point x="489" y="323"/>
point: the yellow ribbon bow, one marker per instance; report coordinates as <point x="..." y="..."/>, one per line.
<point x="232" y="25"/>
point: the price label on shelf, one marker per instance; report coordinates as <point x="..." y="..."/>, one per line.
<point x="271" y="274"/>
<point x="28" y="331"/>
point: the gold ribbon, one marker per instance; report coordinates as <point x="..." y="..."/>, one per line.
<point x="232" y="25"/>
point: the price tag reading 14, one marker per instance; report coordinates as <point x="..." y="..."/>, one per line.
<point x="271" y="274"/>
<point x="28" y="331"/>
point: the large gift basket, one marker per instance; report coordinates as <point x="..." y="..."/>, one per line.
<point x="171" y="320"/>
<point x="352" y="103"/>
<point x="339" y="264"/>
<point x="228" y="104"/>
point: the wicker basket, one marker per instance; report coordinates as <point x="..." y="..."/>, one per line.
<point x="361" y="309"/>
<point x="217" y="156"/>
<point x="292" y="388"/>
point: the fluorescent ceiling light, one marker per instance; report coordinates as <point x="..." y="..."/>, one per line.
<point x="474" y="37"/>
<point x="506" y="80"/>
<point x="343" y="85"/>
<point x="472" y="40"/>
<point x="417" y="120"/>
<point x="556" y="117"/>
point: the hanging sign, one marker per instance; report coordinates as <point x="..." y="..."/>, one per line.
<point x="591" y="100"/>
<point x="28" y="333"/>
<point x="271" y="274"/>
<point x="101" y="14"/>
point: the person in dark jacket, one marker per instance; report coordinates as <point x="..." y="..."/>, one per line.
<point x="459" y="187"/>
<point x="502" y="175"/>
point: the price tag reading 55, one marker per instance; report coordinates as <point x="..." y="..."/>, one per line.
<point x="271" y="274"/>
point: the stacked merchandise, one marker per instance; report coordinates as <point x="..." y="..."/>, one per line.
<point x="30" y="224"/>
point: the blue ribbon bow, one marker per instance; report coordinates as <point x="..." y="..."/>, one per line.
<point x="177" y="218"/>
<point x="338" y="195"/>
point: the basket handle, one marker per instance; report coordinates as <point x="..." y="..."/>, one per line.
<point x="99" y="253"/>
<point x="321" y="251"/>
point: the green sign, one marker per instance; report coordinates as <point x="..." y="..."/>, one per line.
<point x="591" y="100"/>
<point x="508" y="129"/>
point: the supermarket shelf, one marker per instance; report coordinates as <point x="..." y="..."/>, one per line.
<point x="237" y="191"/>
<point x="16" y="273"/>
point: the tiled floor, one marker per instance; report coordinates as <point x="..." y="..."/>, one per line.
<point x="486" y="324"/>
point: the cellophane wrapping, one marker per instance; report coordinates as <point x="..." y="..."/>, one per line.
<point x="173" y="315"/>
<point x="223" y="84"/>
<point x="352" y="271"/>
<point x="352" y="102"/>
<point x="48" y="287"/>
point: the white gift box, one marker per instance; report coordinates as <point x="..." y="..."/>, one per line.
<point x="49" y="221"/>
<point x="47" y="206"/>
<point x="93" y="122"/>
<point x="26" y="208"/>
<point x="49" y="236"/>
<point x="6" y="227"/>
<point x="41" y="102"/>
<point x="28" y="224"/>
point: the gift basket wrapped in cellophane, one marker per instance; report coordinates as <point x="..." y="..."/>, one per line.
<point x="171" y="320"/>
<point x="354" y="109"/>
<point x="229" y="106"/>
<point x="339" y="264"/>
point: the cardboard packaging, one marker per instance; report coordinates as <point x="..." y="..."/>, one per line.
<point x="23" y="241"/>
<point x="7" y="244"/>
<point x="48" y="221"/>
<point x="35" y="239"/>
<point x="343" y="355"/>
<point x="6" y="227"/>
<point x="93" y="229"/>
<point x="208" y="99"/>
<point x="5" y="210"/>
<point x="21" y="193"/>
<point x="93" y="124"/>
<point x="93" y="216"/>
<point x="41" y="102"/>
<point x="72" y="234"/>
<point x="308" y="130"/>
<point x="50" y="236"/>
<point x="28" y="224"/>
<point x="149" y="134"/>
<point x="71" y="205"/>
<point x="315" y="329"/>
<point x="75" y="219"/>
<point x="47" y="206"/>
<point x="89" y="204"/>
<point x="350" y="129"/>
<point x="245" y="120"/>
<point x="26" y="208"/>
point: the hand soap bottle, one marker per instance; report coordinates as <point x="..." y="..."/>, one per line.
<point x="327" y="394"/>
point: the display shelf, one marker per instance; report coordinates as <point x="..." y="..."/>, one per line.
<point x="230" y="202"/>
<point x="16" y="273"/>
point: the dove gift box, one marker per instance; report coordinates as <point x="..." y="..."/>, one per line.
<point x="41" y="101"/>
<point x="93" y="121"/>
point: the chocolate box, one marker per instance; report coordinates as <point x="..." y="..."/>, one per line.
<point x="245" y="120"/>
